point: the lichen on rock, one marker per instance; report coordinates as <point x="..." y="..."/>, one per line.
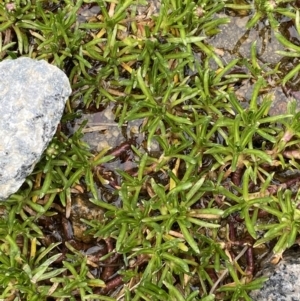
<point x="284" y="281"/>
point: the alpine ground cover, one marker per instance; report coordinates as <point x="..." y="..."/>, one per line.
<point x="192" y="219"/>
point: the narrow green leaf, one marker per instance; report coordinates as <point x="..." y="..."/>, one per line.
<point x="175" y="260"/>
<point x="286" y="42"/>
<point x="188" y="237"/>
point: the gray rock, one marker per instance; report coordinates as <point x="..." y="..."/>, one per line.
<point x="284" y="280"/>
<point x="32" y="99"/>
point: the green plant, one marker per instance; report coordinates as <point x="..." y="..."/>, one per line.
<point x="264" y="9"/>
<point x="218" y="162"/>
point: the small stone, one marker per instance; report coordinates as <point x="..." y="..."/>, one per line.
<point x="32" y="99"/>
<point x="82" y="208"/>
<point x="284" y="281"/>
